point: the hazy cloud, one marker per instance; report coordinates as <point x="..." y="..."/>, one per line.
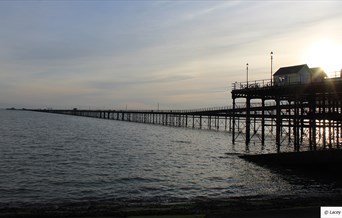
<point x="172" y="52"/>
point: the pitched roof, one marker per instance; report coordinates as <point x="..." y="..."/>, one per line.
<point x="317" y="72"/>
<point x="289" y="70"/>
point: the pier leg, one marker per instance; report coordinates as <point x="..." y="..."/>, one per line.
<point x="278" y="125"/>
<point x="296" y="126"/>
<point x="290" y="124"/>
<point x="301" y="117"/>
<point x="329" y="121"/>
<point x="217" y="122"/>
<point x="193" y="121"/>
<point x="248" y="122"/>
<point x="225" y="123"/>
<point x="313" y="139"/>
<point x="200" y="121"/>
<point x="209" y="122"/>
<point x="262" y="122"/>
<point x="233" y="126"/>
<point x="324" y="123"/>
<point x="338" y="125"/>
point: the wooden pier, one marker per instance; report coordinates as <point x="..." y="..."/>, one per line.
<point x="302" y="115"/>
<point x="218" y="118"/>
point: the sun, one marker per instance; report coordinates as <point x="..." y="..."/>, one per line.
<point x="326" y="54"/>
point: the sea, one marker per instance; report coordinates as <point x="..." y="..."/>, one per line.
<point x="51" y="159"/>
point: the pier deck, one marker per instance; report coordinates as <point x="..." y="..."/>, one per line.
<point x="297" y="114"/>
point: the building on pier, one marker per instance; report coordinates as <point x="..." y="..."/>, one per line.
<point x="301" y="74"/>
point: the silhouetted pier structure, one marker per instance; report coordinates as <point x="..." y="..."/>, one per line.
<point x="307" y="116"/>
<point x="302" y="113"/>
<point x="218" y="118"/>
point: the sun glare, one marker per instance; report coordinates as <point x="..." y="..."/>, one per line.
<point x="327" y="55"/>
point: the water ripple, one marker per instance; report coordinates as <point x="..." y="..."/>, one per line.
<point x="47" y="158"/>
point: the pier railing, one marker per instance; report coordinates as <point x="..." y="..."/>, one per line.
<point x="183" y="111"/>
<point x="239" y="105"/>
<point x="252" y="84"/>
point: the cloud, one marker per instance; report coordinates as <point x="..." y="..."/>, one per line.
<point x="172" y="52"/>
<point x="118" y="84"/>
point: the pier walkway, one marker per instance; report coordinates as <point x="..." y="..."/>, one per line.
<point x="218" y="118"/>
<point x="295" y="114"/>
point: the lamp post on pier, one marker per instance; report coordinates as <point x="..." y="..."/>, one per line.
<point x="271" y="66"/>
<point x="247" y="73"/>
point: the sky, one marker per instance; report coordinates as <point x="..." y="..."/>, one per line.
<point x="144" y="54"/>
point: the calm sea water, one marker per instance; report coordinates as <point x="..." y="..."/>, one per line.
<point x="50" y="158"/>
